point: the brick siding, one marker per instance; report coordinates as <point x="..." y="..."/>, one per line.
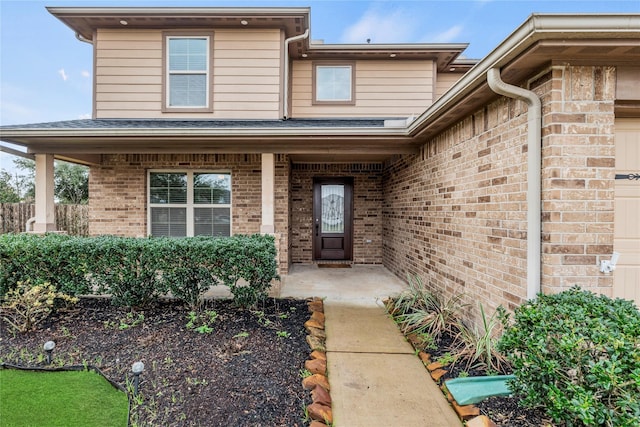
<point x="456" y="213"/>
<point x="118" y="192"/>
<point x="578" y="177"/>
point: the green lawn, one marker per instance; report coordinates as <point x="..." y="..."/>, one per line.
<point x="65" y="398"/>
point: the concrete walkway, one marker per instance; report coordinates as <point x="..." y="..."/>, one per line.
<point x="376" y="379"/>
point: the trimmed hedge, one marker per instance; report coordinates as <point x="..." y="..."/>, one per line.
<point x="135" y="271"/>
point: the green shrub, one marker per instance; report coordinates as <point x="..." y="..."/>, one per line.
<point x="127" y="269"/>
<point x="135" y="271"/>
<point x="247" y="265"/>
<point x="188" y="269"/>
<point x="577" y="355"/>
<point x="54" y="258"/>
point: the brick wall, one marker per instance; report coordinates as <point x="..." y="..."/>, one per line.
<point x="578" y="177"/>
<point x="118" y="193"/>
<point x="367" y="207"/>
<point x="456" y="213"/>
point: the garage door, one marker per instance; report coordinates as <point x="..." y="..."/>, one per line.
<point x="626" y="277"/>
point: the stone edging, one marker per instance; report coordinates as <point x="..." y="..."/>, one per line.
<point x="317" y="383"/>
<point x="468" y="414"/>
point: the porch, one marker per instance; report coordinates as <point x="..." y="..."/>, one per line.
<point x="358" y="284"/>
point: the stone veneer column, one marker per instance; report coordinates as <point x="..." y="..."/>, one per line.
<point x="45" y="207"/>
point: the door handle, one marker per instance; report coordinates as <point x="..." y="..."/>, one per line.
<point x="317" y="229"/>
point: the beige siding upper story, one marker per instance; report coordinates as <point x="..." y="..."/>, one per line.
<point x="382" y="89"/>
<point x="246" y="74"/>
<point x="444" y="81"/>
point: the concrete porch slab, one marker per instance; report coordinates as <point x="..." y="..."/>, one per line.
<point x="360" y="283"/>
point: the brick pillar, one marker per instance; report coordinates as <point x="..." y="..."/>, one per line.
<point x="578" y="177"/>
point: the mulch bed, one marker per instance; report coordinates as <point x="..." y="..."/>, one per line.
<point x="246" y="372"/>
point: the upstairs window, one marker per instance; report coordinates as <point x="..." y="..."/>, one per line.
<point x="187" y="203"/>
<point x="188" y="73"/>
<point x="333" y="84"/>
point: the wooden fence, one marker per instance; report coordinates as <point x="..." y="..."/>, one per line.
<point x="74" y="219"/>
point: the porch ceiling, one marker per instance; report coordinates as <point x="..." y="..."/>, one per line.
<point x="309" y="144"/>
<point x="307" y="140"/>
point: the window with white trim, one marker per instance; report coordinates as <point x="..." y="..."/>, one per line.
<point x="187" y="76"/>
<point x="189" y="203"/>
<point x="333" y="83"/>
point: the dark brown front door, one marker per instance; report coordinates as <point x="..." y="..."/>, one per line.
<point x="332" y="218"/>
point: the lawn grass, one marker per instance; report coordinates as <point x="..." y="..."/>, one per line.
<point x="64" y="398"/>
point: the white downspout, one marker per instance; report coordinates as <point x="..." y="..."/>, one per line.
<point x="534" y="175"/>
<point x="285" y="103"/>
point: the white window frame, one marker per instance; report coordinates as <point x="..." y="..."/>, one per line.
<point x="167" y="73"/>
<point x="190" y="206"/>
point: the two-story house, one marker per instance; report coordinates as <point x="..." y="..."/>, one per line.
<point x="495" y="177"/>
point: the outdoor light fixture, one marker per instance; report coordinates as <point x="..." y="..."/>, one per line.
<point x="123" y="22"/>
<point x="48" y="348"/>
<point x="244" y="22"/>
<point x="137" y="369"/>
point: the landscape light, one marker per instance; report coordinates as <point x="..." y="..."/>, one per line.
<point x="48" y="348"/>
<point x="137" y="369"/>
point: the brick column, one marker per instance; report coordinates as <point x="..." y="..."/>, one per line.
<point x="578" y="177"/>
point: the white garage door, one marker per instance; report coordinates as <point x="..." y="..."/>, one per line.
<point x="626" y="277"/>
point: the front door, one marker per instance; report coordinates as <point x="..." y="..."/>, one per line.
<point x="332" y="218"/>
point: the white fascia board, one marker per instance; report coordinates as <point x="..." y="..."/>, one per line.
<point x="173" y="11"/>
<point x="186" y="132"/>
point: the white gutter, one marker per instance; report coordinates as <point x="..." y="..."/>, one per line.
<point x="534" y="155"/>
<point x="285" y="101"/>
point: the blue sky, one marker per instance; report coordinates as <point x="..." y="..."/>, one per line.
<point x="46" y="74"/>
